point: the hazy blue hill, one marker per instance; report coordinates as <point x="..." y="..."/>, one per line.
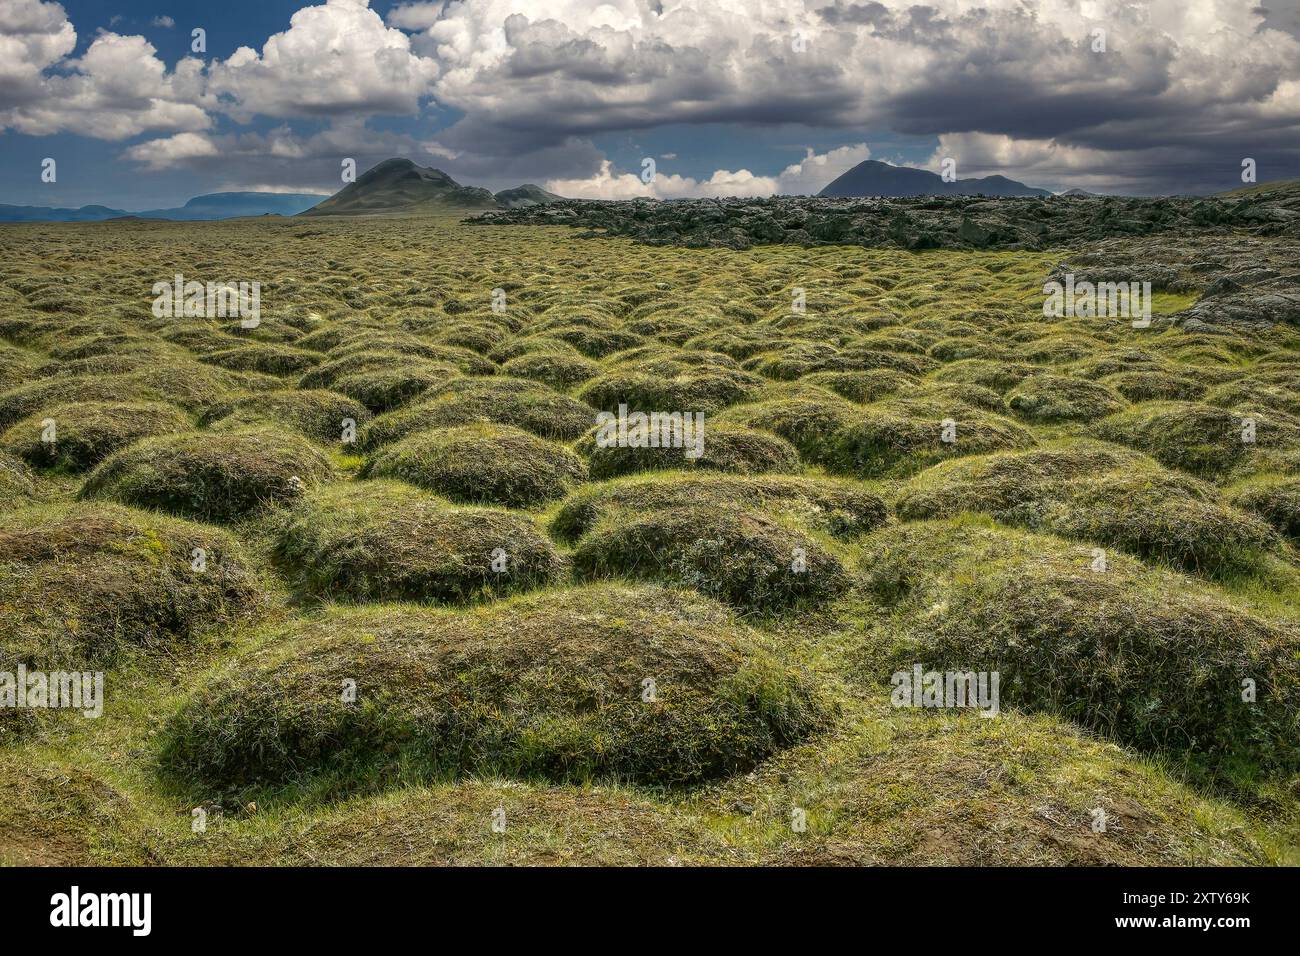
<point x="50" y="214"/>
<point x="210" y="206"/>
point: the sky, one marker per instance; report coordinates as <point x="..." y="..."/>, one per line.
<point x="728" y="97"/>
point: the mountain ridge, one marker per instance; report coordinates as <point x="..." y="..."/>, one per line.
<point x="871" y="177"/>
<point x="401" y="187"/>
<point x="209" y="206"/>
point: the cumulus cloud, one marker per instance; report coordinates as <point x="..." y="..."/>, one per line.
<point x="607" y="184"/>
<point x="118" y="88"/>
<point x="1013" y="86"/>
<point x="337" y="58"/>
<point x="33" y="37"/>
<point x="415" y="16"/>
<point x="165" y="22"/>
<point x="805" y="177"/>
<point x="1198" y="74"/>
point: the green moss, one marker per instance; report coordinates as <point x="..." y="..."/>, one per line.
<point x="385" y="541"/>
<point x="211" y="476"/>
<point x="77" y="436"/>
<point x="481" y="464"/>
<point x="1149" y="658"/>
<point x="551" y="687"/>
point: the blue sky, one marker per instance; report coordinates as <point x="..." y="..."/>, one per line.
<point x="731" y="97"/>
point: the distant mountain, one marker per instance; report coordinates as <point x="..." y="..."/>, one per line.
<point x="230" y="205"/>
<point x="1082" y="193"/>
<point x="874" y="178"/>
<point x="51" y="214"/>
<point x="210" y="206"/>
<point x="525" y="195"/>
<point x="398" y="187"/>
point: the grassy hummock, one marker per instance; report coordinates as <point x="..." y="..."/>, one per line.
<point x="656" y="687"/>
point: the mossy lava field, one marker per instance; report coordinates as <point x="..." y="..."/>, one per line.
<point x="391" y="574"/>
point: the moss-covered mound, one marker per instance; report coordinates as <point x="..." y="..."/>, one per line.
<point x="319" y="414"/>
<point x="188" y="385"/>
<point x="999" y="376"/>
<point x="1105" y="494"/>
<point x="704" y="383"/>
<point x="842" y="508"/>
<point x="1021" y="790"/>
<point x="79" y="436"/>
<point x="1202" y="439"/>
<point x="1273" y="498"/>
<point x="1057" y="398"/>
<point x="899" y="438"/>
<point x="497" y="399"/>
<point x="1257" y="392"/>
<point x="640" y="684"/>
<point x="16" y="484"/>
<point x="386" y="541"/>
<point x="745" y="558"/>
<point x="208" y="475"/>
<point x="958" y="790"/>
<point x="78" y="582"/>
<point x="264" y="357"/>
<point x="1150" y="386"/>
<point x="866" y="387"/>
<point x="722" y="448"/>
<point x="560" y="370"/>
<point x="1149" y="658"/>
<point x="482" y="464"/>
<point x="389" y="387"/>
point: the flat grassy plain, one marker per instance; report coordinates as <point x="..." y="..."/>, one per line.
<point x="560" y="653"/>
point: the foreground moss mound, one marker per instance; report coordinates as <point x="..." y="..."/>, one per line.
<point x="386" y="541"/>
<point x="1057" y="398"/>
<point x="211" y="476"/>
<point x="839" y="507"/>
<point x="319" y="414"/>
<point x="482" y="464"/>
<point x="80" y="582"/>
<point x="1151" y="659"/>
<point x="553" y="687"/>
<point x="745" y="558"/>
<point x="1100" y="493"/>
<point x="1202" y="439"/>
<point x="959" y="790"/>
<point x="86" y="433"/>
<point x="16" y="484"/>
<point x="495" y="400"/>
<point x="892" y="438"/>
<point x="1020" y="790"/>
<point x="1273" y="498"/>
<point x="722" y="448"/>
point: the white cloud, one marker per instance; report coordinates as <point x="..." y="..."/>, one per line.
<point x="119" y="88"/>
<point x="415" y="16"/>
<point x="816" y="170"/>
<point x="334" y="59"/>
<point x="33" y="37"/>
<point x="606" y="184"/>
<point x="806" y="177"/>
<point x="172" y="151"/>
<point x="165" y="22"/>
